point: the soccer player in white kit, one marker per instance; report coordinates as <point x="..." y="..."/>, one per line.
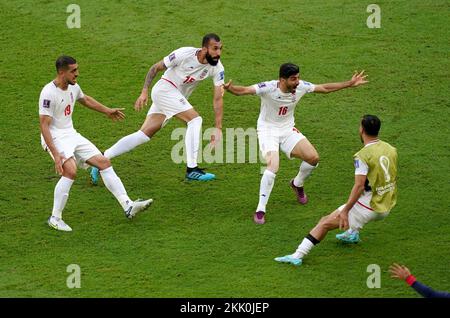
<point x="184" y="69"/>
<point x="70" y="149"/>
<point x="276" y="127"/>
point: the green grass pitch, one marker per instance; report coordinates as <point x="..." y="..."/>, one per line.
<point x="198" y="239"/>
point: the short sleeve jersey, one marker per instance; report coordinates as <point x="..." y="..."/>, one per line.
<point x="59" y="105"/>
<point x="277" y="108"/>
<point x="184" y="70"/>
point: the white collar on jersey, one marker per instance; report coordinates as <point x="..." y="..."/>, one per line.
<point x="372" y="143"/>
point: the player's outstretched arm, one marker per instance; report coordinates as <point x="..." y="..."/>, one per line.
<point x="239" y="90"/>
<point x="143" y="98"/>
<point x="403" y="273"/>
<point x="113" y="113"/>
<point x="357" y="79"/>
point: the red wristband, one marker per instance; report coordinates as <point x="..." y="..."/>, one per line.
<point x="410" y="280"/>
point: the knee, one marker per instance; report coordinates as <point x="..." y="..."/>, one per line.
<point x="70" y="172"/>
<point x="313" y="160"/>
<point x="272" y="166"/>
<point x="103" y="163"/>
<point x="149" y="130"/>
<point x="325" y="223"/>
<point x="196" y="121"/>
<point x="322" y="220"/>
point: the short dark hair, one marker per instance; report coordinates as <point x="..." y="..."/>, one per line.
<point x="371" y="125"/>
<point x="209" y="37"/>
<point x="288" y="69"/>
<point x="64" y="61"/>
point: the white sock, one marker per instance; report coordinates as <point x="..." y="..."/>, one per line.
<point x="192" y="141"/>
<point x="304" y="172"/>
<point x="265" y="188"/>
<point x="304" y="248"/>
<point x="126" y="144"/>
<point x="61" y="195"/>
<point x="115" y="186"/>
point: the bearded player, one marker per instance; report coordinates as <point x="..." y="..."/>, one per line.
<point x="183" y="69"/>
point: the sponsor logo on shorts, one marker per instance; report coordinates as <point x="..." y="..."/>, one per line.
<point x="356" y="162"/>
<point x="46" y="103"/>
<point x="183" y="101"/>
<point x="171" y="57"/>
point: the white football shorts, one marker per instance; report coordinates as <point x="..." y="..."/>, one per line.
<point x="359" y="215"/>
<point x="167" y="100"/>
<point x="76" y="146"/>
<point x="274" y="139"/>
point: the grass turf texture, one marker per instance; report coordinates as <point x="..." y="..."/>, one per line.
<point x="198" y="239"/>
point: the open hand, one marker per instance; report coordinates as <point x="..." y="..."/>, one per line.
<point x="216" y="137"/>
<point x="343" y="220"/>
<point x="59" y="160"/>
<point x="399" y="271"/>
<point x="358" y="79"/>
<point x="141" y="101"/>
<point x="116" y="114"/>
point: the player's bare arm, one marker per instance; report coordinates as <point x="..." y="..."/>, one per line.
<point x="44" y="122"/>
<point x="356" y="192"/>
<point x="152" y="72"/>
<point x="218" y="111"/>
<point x="239" y="90"/>
<point x="113" y="113"/>
<point x="357" y="79"/>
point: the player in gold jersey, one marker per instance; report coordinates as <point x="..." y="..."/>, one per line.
<point x="373" y="196"/>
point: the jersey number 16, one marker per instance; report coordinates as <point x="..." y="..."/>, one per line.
<point x="282" y="111"/>
<point x="189" y="79"/>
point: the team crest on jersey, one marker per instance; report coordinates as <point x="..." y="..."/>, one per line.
<point x="171" y="57"/>
<point x="221" y="75"/>
<point x="307" y="83"/>
<point x="46" y="103"/>
<point x="204" y="73"/>
<point x="261" y="85"/>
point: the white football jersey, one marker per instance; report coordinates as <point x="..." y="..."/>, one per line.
<point x="59" y="105"/>
<point x="277" y="108"/>
<point x="184" y="70"/>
